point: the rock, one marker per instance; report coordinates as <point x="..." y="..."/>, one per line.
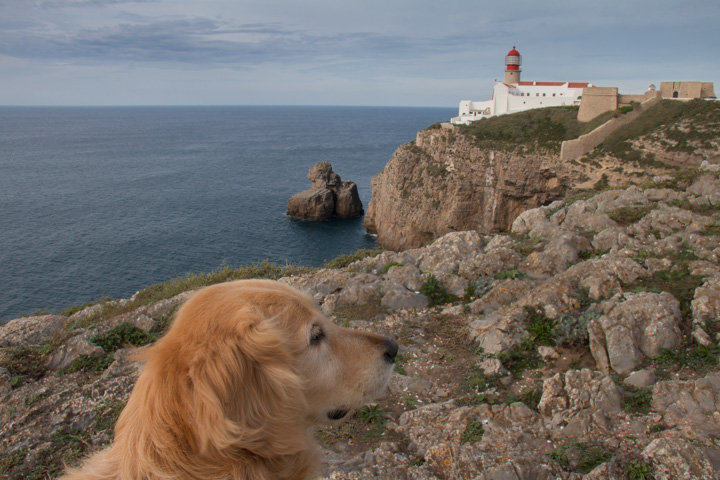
<point x="328" y="198"/>
<point x="493" y="366"/>
<point x="634" y="329"/>
<point x="576" y="390"/>
<point x="315" y="205"/>
<point x="641" y="379"/>
<point x="436" y="186"/>
<point x="399" y="299"/>
<point x="71" y="349"/>
<point x="30" y="330"/>
<point x="674" y="458"/>
<point x="690" y="405"/>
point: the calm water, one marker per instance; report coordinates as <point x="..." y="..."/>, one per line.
<point x="104" y="201"/>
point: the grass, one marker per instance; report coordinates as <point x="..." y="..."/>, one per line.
<point x="699" y="358"/>
<point x="584" y="457"/>
<point x="176" y="286"/>
<point x="542" y="129"/>
<point x="373" y="416"/>
<point x="665" y="115"/>
<point x="638" y="400"/>
<point x="343" y="261"/>
<point x="107" y="414"/>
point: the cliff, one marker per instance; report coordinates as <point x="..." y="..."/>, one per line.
<point x="582" y="345"/>
<point x="484" y="175"/>
<point x="444" y="182"/>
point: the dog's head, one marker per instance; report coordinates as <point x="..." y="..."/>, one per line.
<point x="248" y="364"/>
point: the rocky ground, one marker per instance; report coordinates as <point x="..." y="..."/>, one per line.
<point x="582" y="344"/>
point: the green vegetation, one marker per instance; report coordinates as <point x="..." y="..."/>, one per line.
<point x="107" y="414"/>
<point x="473" y="431"/>
<point x="542" y="129"/>
<point x="373" y="416"/>
<point x="541" y="328"/>
<point x="666" y="114"/>
<point x="638" y="470"/>
<point x="514" y="274"/>
<point x="10" y="460"/>
<point x="89" y="363"/>
<point x="122" y="336"/>
<point x="637" y="400"/>
<point x="388" y="266"/>
<point x="436" y="293"/>
<point x="520" y="357"/>
<point x="630" y="214"/>
<point x="169" y="289"/>
<point x="585" y="457"/>
<point x="700" y="358"/>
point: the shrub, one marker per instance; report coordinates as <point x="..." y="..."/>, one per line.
<point x="121" y="336"/>
<point x="436" y="293"/>
<point x="585" y="457"/>
<point x="514" y="274"/>
<point x="473" y="431"/>
<point x="539" y="326"/>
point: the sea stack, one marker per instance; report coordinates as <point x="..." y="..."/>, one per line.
<point x="328" y="197"/>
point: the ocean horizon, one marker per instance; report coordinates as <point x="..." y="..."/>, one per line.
<point x="104" y="201"/>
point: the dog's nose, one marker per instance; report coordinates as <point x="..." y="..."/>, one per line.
<point x="391" y="350"/>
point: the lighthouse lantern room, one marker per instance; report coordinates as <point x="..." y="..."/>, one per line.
<point x="513" y="60"/>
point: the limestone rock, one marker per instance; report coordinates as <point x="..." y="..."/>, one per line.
<point x="634" y="329"/>
<point x="328" y="198"/>
<point x="440" y="185"/>
<point x="30" y="330"/>
<point x="674" y="458"/>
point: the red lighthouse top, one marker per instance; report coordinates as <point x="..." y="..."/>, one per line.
<point x="513" y="60"/>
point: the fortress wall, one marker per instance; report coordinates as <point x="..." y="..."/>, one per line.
<point x="572" y="149"/>
<point x="597" y="100"/>
<point x="686" y="89"/>
<point x="627" y="99"/>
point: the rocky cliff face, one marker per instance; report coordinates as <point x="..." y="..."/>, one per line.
<point x="443" y="183"/>
<point x="583" y="345"/>
<point x="329" y="197"/>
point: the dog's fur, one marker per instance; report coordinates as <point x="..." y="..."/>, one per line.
<point x="234" y="387"/>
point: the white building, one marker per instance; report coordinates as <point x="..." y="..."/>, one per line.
<point x="512" y="95"/>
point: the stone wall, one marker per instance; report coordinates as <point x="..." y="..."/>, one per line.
<point x="572" y="149"/>
<point x="686" y="89"/>
<point x="597" y="100"/>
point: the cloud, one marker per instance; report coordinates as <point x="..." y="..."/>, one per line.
<point x="212" y="42"/>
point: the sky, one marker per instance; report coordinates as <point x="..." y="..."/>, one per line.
<point x="339" y="52"/>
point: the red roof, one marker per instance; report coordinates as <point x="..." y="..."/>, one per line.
<point x="556" y="84"/>
<point x="513" y="52"/>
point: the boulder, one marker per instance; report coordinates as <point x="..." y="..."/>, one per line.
<point x="634" y="329"/>
<point x="328" y="198"/>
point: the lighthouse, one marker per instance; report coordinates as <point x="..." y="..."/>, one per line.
<point x="513" y="60"/>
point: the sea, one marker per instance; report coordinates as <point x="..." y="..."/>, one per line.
<point x="103" y="201"/>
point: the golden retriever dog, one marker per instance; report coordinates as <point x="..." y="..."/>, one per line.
<point x="235" y="387"/>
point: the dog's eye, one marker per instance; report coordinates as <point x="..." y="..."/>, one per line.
<point x="316" y="335"/>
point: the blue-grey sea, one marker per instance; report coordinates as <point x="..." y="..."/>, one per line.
<point x="102" y="201"/>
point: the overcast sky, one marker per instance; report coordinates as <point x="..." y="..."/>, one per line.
<point x="338" y="52"/>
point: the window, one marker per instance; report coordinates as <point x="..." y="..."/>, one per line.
<point x="543" y="94"/>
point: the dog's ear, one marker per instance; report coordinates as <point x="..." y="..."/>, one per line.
<point x="245" y="395"/>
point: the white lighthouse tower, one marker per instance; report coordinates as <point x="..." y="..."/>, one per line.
<point x="513" y="60"/>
